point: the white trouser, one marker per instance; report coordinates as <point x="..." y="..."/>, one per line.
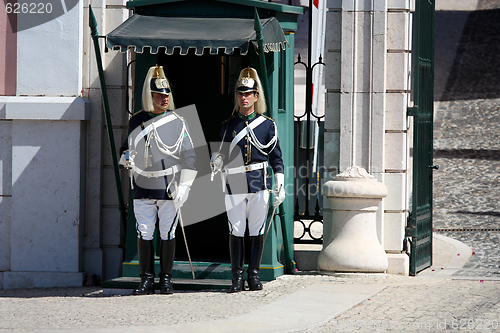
<point x="146" y="212"/>
<point x="247" y="206"/>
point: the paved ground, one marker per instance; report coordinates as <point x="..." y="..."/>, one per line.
<point x="460" y="292"/>
<point x="307" y="303"/>
<point x="467" y="143"/>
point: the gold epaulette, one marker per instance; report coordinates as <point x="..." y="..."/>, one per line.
<point x="179" y="117"/>
<point x="225" y="121"/>
<point x="134" y="114"/>
<point x="263" y="115"/>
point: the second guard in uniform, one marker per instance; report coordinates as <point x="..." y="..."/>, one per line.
<point x="249" y="145"/>
<point x="163" y="171"/>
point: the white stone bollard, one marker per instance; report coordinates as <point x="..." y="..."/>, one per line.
<point x="352" y="244"/>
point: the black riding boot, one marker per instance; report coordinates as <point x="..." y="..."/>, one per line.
<point x="167" y="254"/>
<point x="147" y="266"/>
<point x="237" y="254"/>
<point x="256" y="247"/>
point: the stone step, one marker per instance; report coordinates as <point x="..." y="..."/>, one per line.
<point x="125" y="285"/>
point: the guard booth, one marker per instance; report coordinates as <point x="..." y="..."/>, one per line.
<point x="202" y="46"/>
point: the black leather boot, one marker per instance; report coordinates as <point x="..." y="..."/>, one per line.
<point x="167" y="254"/>
<point x="237" y="254"/>
<point x="147" y="266"/>
<point x="256" y="247"/>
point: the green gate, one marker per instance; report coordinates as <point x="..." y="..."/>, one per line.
<point x="419" y="227"/>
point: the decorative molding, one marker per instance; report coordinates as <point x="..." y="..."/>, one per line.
<point x="354" y="172"/>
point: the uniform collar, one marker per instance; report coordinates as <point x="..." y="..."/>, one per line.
<point x="250" y="116"/>
<point x="152" y="115"/>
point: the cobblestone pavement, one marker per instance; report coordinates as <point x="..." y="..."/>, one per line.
<point x="467" y="144"/>
<point x="54" y="309"/>
<point x="424" y="307"/>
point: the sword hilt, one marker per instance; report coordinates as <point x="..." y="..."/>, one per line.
<point x="276" y="191"/>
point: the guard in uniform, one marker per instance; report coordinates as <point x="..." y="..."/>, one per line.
<point x="249" y="145"/>
<point x="160" y="184"/>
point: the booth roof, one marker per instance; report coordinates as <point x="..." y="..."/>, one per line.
<point x="278" y="7"/>
<point x="200" y="33"/>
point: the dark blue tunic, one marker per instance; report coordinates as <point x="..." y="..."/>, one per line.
<point x="186" y="161"/>
<point x="264" y="132"/>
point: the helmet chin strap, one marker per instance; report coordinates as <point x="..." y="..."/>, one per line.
<point x="158" y="105"/>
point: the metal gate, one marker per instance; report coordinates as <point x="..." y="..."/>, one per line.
<point x="419" y="228"/>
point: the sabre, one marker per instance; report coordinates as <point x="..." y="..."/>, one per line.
<point x="179" y="218"/>
<point x="272" y="215"/>
<point x="185" y="242"/>
<point x="216" y="162"/>
<point x="130" y="170"/>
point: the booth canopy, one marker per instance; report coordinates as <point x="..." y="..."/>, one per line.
<point x="199" y="33"/>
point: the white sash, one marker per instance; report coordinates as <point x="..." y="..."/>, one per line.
<point x="245" y="131"/>
<point x="158" y="123"/>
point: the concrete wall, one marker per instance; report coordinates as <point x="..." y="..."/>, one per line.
<point x="42" y="129"/>
<point x="367" y="80"/>
<point x="59" y="216"/>
<point x="42" y="217"/>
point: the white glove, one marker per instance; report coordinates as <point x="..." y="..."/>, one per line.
<point x="216" y="163"/>
<point x="185" y="182"/>
<point x="279" y="195"/>
<point x="127" y="159"/>
<point x="181" y="195"/>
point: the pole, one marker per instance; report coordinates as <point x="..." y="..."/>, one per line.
<point x="107" y="116"/>
<point x="262" y="58"/>
<point x="308" y="108"/>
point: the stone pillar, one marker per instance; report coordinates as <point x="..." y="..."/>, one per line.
<point x="367" y="75"/>
<point x="102" y="254"/>
<point x="353" y="244"/>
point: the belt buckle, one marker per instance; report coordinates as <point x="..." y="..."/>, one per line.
<point x="247" y="168"/>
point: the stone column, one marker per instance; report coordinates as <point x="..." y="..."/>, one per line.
<point x="352" y="244"/>
<point x="102" y="254"/>
<point x="367" y="75"/>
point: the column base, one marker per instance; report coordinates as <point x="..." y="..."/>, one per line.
<point x="399" y="264"/>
